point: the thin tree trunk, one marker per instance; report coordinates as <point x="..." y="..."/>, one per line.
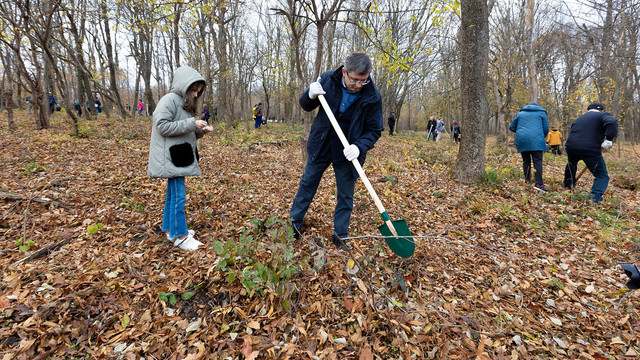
<point x="474" y="56"/>
<point x="8" y="98"/>
<point x="531" y="58"/>
<point x="111" y="64"/>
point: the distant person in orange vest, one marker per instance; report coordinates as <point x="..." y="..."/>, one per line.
<point x="554" y="139"/>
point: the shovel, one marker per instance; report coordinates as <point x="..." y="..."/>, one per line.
<point x="584" y="169"/>
<point x="399" y="237"/>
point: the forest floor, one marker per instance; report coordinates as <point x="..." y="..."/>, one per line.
<point x="501" y="271"/>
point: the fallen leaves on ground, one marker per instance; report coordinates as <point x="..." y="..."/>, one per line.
<point x="500" y="271"/>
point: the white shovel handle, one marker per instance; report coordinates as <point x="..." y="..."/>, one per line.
<point x="355" y="162"/>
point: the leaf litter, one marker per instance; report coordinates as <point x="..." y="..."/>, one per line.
<point x="500" y="271"/>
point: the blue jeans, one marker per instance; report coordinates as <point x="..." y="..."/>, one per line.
<point x="596" y="166"/>
<point x="258" y="121"/>
<point x="174" y="220"/>
<point x="345" y="182"/>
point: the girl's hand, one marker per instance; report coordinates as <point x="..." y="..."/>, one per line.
<point x="208" y="128"/>
<point x="201" y="124"/>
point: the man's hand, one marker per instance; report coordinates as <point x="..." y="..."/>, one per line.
<point x="315" y="89"/>
<point x="351" y="152"/>
<point x="606" y="145"/>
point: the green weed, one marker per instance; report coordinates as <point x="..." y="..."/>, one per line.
<point x="93" y="229"/>
<point x="131" y="205"/>
<point x="243" y="260"/>
<point x="24" y="247"/>
<point x="31" y="167"/>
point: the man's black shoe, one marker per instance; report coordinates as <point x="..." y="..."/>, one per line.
<point x="296" y="232"/>
<point x="338" y="242"/>
<point x="634" y="275"/>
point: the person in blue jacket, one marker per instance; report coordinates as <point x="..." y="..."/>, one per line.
<point x="531" y="127"/>
<point x="590" y="134"/>
<point x="357" y="106"/>
<point x="52" y="103"/>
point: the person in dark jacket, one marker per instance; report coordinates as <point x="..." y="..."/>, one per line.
<point x="52" y="103"/>
<point x="456" y="131"/>
<point x="98" y="105"/>
<point x="257" y="115"/>
<point x="392" y="123"/>
<point x="531" y="127"/>
<point x="357" y="105"/>
<point x="590" y="134"/>
<point x="78" y="107"/>
<point x="205" y="113"/>
<point x="431" y="129"/>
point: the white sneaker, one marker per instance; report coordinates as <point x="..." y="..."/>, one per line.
<point x="191" y="232"/>
<point x="188" y="243"/>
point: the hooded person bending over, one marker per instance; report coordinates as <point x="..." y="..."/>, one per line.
<point x="357" y="106"/>
<point x="590" y="134"/>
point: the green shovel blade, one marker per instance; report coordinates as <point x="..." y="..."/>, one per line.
<point x="402" y="245"/>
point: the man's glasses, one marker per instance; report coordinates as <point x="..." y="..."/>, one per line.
<point x="359" y="82"/>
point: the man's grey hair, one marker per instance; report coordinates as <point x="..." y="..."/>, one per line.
<point x="358" y="63"/>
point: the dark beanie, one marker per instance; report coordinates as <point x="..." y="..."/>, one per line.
<point x="596" y="106"/>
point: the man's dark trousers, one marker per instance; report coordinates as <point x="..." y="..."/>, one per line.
<point x="596" y="166"/>
<point x="309" y="185"/>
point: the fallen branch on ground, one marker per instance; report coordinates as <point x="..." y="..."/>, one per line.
<point x="18" y="197"/>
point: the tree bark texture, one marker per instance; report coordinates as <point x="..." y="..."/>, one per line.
<point x="474" y="56"/>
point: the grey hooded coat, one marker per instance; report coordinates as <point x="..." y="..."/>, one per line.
<point x="172" y="151"/>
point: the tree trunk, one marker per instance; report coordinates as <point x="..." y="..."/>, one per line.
<point x="8" y="97"/>
<point x="474" y="56"/>
<point x="111" y="64"/>
<point x="531" y="58"/>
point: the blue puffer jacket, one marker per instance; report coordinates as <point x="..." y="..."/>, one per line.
<point x="531" y="127"/>
<point x="366" y="124"/>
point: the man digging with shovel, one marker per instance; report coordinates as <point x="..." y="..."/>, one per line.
<point x="590" y="134"/>
<point x="357" y="106"/>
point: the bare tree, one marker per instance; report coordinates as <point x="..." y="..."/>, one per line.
<point x="531" y="59"/>
<point x="474" y="57"/>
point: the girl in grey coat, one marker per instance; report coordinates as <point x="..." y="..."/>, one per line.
<point x="173" y="153"/>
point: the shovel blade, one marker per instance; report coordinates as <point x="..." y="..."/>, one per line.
<point x="403" y="244"/>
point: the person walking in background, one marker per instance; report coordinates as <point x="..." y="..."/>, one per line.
<point x="140" y="107"/>
<point x="98" y="104"/>
<point x="29" y="105"/>
<point x="392" y="123"/>
<point x="78" y="107"/>
<point x="257" y="115"/>
<point x="52" y="103"/>
<point x="260" y="115"/>
<point x="205" y="113"/>
<point x="173" y="153"/>
<point x="456" y="131"/>
<point x="439" y="129"/>
<point x="590" y="134"/>
<point x="357" y="105"/>
<point x="431" y="129"/>
<point x="554" y="139"/>
<point x="531" y="127"/>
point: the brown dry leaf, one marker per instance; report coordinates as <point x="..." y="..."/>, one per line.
<point x="247" y="348"/>
<point x="365" y="353"/>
